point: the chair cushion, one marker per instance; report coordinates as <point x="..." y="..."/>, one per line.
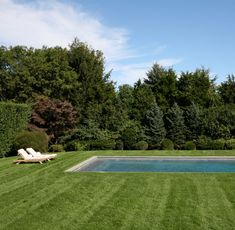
<point x="32" y="152"/>
<point x="24" y="154"/>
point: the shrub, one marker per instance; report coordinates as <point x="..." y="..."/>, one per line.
<point x="76" y="146"/>
<point x="13" y="118"/>
<point x="102" y="145"/>
<point x="167" y="144"/>
<point x="119" y="145"/>
<point x="141" y="145"/>
<point x="154" y="146"/>
<point x="70" y="146"/>
<point x="89" y="137"/>
<point x="81" y="146"/>
<point x="189" y="145"/>
<point x="230" y="144"/>
<point x="86" y="132"/>
<point x="56" y="148"/>
<point x="203" y="143"/>
<point x="35" y="140"/>
<point x="217" y="144"/>
<point x="131" y="134"/>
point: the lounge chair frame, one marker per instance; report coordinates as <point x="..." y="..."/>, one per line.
<point x="26" y="158"/>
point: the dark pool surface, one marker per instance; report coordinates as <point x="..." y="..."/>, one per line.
<point x="153" y="165"/>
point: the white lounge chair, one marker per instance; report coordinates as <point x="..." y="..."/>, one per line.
<point x="32" y="152"/>
<point x="26" y="158"/>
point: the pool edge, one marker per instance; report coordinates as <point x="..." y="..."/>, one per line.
<point x="80" y="165"/>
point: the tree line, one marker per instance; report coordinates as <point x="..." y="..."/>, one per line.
<point x="74" y="101"/>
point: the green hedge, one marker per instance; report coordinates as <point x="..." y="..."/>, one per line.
<point x="13" y="118"/>
<point x="36" y="140"/>
<point x="90" y="145"/>
<point x="102" y="145"/>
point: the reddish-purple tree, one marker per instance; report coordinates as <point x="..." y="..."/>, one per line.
<point x="54" y="116"/>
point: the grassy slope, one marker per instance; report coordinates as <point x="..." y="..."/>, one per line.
<point x="37" y="196"/>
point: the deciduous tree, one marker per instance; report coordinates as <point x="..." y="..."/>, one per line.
<point x="54" y="116"/>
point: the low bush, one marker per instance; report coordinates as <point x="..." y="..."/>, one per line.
<point x="81" y="146"/>
<point x="189" y="145"/>
<point x="119" y="145"/>
<point x="141" y="145"/>
<point x="102" y="145"/>
<point x="36" y="140"/>
<point x="131" y="134"/>
<point x="153" y="146"/>
<point x="76" y="146"/>
<point x="167" y="144"/>
<point x="230" y="144"/>
<point x="203" y="143"/>
<point x="13" y="118"/>
<point x="89" y="145"/>
<point x="56" y="148"/>
<point x="217" y="144"/>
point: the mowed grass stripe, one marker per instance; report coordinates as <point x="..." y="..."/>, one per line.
<point x="76" y="206"/>
<point x="157" y="197"/>
<point x="30" y="186"/>
<point x="152" y="201"/>
<point x="227" y="184"/>
<point x="82" y="217"/>
<point x="216" y="210"/>
<point x="30" y="202"/>
<point x="115" y="210"/>
<point x="181" y="208"/>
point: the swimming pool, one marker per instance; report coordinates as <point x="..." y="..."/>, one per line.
<point x="156" y="164"/>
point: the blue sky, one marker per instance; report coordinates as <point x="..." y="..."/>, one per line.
<point x="133" y="34"/>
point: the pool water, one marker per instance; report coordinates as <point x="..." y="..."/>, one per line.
<point x="156" y="165"/>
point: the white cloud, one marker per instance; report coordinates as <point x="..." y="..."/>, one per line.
<point x="54" y="23"/>
<point x="130" y="73"/>
<point x="169" y="61"/>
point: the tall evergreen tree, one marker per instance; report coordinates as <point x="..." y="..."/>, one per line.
<point x="143" y="98"/>
<point x="215" y="125"/>
<point x="227" y="90"/>
<point x="126" y="99"/>
<point x="163" y="84"/>
<point x="154" y="125"/>
<point x="175" y="126"/>
<point x="193" y="122"/>
<point x="197" y="87"/>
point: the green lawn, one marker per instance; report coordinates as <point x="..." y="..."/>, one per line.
<point x="35" y="196"/>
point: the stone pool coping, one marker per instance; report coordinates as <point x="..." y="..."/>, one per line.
<point x="78" y="166"/>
